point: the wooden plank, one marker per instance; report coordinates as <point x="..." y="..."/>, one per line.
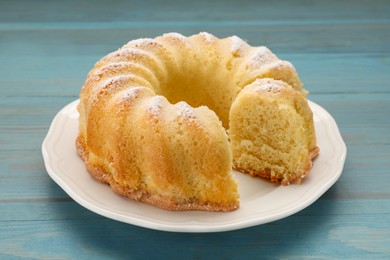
<point x="306" y="38"/>
<point x="341" y="51"/>
<point x="33" y="112"/>
<point x="350" y="236"/>
<point x="32" y="75"/>
<point x="33" y="188"/>
<point x="358" y="110"/>
<point x="180" y="11"/>
<point x="50" y="209"/>
<point x="57" y="207"/>
<point x="343" y="73"/>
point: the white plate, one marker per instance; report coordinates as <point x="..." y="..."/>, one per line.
<point x="260" y="202"/>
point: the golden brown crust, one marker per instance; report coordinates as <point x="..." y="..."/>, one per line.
<point x="144" y="196"/>
<point x="314" y="152"/>
<point x="284" y="181"/>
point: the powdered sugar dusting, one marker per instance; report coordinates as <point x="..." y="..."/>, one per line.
<point x="207" y="36"/>
<point x="186" y="113"/>
<point x="185" y="109"/>
<point x="175" y="35"/>
<point x="268" y="88"/>
<point x="237" y="45"/>
<point x="138" y="42"/>
<point x="132" y="94"/>
<point x="155" y="105"/>
<point x="108" y="70"/>
<point x="177" y="38"/>
<point x="284" y="64"/>
<point x="113" y="82"/>
<point x="261" y="56"/>
<point x="108" y="86"/>
<point x="153" y="109"/>
<point x="126" y="97"/>
<point x="123" y="54"/>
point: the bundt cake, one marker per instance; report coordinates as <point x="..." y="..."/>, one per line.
<point x="153" y="116"/>
<point x="272" y="132"/>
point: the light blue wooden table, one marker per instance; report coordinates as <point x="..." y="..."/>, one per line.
<point x="341" y="50"/>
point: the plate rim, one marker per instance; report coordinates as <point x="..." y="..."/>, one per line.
<point x="195" y="227"/>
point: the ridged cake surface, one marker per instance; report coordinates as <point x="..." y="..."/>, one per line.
<point x="153" y="116"/>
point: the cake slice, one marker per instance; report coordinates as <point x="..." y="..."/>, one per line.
<point x="272" y="132"/>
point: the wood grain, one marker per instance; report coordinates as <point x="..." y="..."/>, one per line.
<point x="341" y="50"/>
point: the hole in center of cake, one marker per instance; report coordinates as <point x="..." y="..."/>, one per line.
<point x="201" y="90"/>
